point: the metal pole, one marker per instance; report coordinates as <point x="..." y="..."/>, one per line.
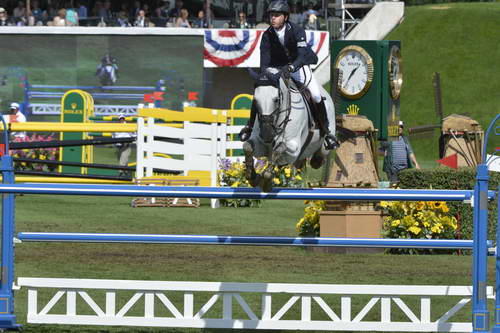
<point x="7" y="317"/>
<point x="496" y="326"/>
<point x="480" y="313"/>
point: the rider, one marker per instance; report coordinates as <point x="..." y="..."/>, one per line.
<point x="107" y="60"/>
<point x="284" y="44"/>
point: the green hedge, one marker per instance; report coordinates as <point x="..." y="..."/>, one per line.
<point x="449" y="179"/>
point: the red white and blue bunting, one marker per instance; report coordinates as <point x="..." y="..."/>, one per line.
<point x="241" y="47"/>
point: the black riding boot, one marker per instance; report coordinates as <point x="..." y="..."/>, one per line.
<point x="331" y="141"/>
<point x="246" y="132"/>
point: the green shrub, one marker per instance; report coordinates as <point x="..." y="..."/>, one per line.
<point x="449" y="179"/>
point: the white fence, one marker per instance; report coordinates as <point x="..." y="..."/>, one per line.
<point x="197" y="147"/>
<point x="323" y="307"/>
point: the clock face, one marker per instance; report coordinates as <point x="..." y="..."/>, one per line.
<point x="356" y="68"/>
<point x="395" y="72"/>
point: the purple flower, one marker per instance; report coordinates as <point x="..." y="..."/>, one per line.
<point x="224" y="164"/>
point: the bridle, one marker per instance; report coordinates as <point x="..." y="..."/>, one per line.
<point x="270" y="122"/>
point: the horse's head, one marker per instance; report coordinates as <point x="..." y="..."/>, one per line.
<point x="273" y="103"/>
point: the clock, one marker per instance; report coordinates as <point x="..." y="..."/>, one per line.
<point x="356" y="68"/>
<point x="395" y="71"/>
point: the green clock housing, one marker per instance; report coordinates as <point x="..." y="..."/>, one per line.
<point x="370" y="83"/>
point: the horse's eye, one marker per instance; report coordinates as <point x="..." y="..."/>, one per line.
<point x="276" y="99"/>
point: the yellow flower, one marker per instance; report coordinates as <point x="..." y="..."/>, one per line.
<point x="235" y="184"/>
<point x="395" y="223"/>
<point x="444" y="208"/>
<point x="288" y="172"/>
<point x="42" y="157"/>
<point x="384" y="204"/>
<point x="415" y="230"/>
<point x="298" y="177"/>
<point x="420" y="205"/>
<point x="276" y="181"/>
<point x="437" y="204"/>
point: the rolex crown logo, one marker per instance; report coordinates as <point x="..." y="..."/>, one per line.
<point x="353" y="109"/>
<point x="73" y="106"/>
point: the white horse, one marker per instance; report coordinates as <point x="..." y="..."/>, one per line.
<point x="285" y="131"/>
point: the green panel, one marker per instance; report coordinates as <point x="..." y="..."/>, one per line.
<point x="73" y="111"/>
<point x="238" y="103"/>
<point x="376" y="102"/>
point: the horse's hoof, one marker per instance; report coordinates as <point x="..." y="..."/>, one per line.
<point x="266" y="185"/>
<point x="317" y="161"/>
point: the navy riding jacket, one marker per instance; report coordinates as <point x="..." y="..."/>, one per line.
<point x="296" y="52"/>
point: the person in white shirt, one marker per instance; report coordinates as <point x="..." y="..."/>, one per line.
<point x="15" y="116"/>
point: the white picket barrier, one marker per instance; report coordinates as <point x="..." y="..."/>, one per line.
<point x="197" y="147"/>
<point x="185" y="304"/>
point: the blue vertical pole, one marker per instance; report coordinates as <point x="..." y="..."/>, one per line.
<point x="496" y="326"/>
<point x="7" y="317"/>
<point x="480" y="313"/>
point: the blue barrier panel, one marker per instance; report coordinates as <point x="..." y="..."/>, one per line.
<point x="247" y="240"/>
<point x="242" y="193"/>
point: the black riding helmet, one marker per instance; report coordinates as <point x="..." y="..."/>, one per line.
<point x="279" y="6"/>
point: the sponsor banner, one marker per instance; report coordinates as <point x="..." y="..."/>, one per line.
<point x="241" y="47"/>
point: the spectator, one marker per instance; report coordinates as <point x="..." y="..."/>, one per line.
<point x="135" y="11"/>
<point x="81" y="10"/>
<point x="60" y="19"/>
<point x="310" y="10"/>
<point x="123" y="150"/>
<point x="49" y="13"/>
<point x="15" y="116"/>
<point x="71" y="15"/>
<point x="145" y="8"/>
<point x="200" y="21"/>
<point x="123" y="19"/>
<point x="242" y="21"/>
<point x="176" y="12"/>
<point x="36" y="12"/>
<point x="312" y="23"/>
<point x="398" y="156"/>
<point x="4" y="18"/>
<point x="19" y="11"/>
<point x="162" y="12"/>
<point x="105" y="12"/>
<point x="182" y="20"/>
<point x="141" y="20"/>
<point x="296" y="16"/>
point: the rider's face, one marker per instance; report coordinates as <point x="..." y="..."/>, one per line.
<point x="277" y="19"/>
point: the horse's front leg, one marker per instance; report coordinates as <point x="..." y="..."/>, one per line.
<point x="267" y="178"/>
<point x="250" y="174"/>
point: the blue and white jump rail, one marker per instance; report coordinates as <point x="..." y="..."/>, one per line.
<point x="229" y="295"/>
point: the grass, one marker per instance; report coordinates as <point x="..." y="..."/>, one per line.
<point x="458" y="41"/>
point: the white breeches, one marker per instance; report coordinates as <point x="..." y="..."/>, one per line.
<point x="306" y="77"/>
